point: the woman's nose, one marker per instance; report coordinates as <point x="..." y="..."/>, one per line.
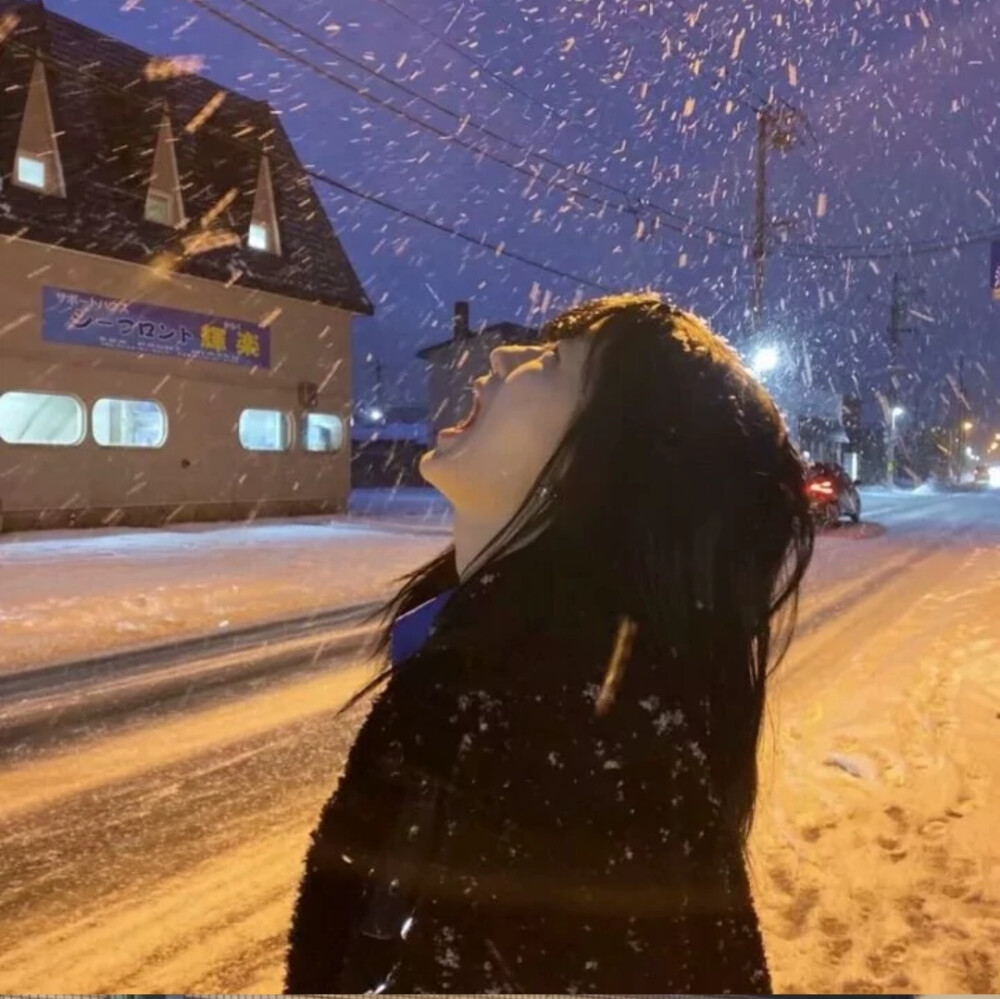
<point x="504" y="360"/>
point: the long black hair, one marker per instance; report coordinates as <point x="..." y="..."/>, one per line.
<point x="675" y="503"/>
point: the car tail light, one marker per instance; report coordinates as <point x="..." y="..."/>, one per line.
<point x="824" y="487"/>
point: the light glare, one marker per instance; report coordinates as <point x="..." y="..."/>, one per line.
<point x="766" y="359"/>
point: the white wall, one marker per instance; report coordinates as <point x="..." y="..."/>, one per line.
<point x="202" y="468"/>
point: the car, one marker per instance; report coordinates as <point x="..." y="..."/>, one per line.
<point x="832" y="493"/>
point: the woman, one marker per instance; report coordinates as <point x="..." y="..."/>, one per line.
<point x="553" y="792"/>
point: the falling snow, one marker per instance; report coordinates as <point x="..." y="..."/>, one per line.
<point x="519" y="156"/>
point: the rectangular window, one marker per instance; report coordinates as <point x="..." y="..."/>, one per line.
<point x="158" y="207"/>
<point x="30" y="171"/>
<point x="42" y="418"/>
<point x="264" y="430"/>
<point x="322" y="432"/>
<point x="257" y="238"/>
<point x="128" y="423"/>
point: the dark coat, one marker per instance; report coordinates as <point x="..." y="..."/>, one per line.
<point x="575" y="853"/>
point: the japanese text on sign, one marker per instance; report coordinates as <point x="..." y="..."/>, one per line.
<point x="95" y="321"/>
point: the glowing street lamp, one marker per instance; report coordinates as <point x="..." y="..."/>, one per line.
<point x="894" y="414"/>
<point x="967" y="425"/>
<point x="766" y="359"/>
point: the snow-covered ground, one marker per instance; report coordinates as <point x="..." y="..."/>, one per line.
<point x="162" y="855"/>
<point x="876" y="858"/>
<point x="68" y="594"/>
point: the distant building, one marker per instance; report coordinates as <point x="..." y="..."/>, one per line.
<point x="815" y="419"/>
<point x="453" y="364"/>
<point x="175" y="306"/>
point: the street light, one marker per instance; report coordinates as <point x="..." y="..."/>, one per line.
<point x="894" y="414"/>
<point x="766" y="359"/>
<point x="967" y="426"/>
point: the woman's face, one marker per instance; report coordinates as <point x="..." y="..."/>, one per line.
<point x="486" y="465"/>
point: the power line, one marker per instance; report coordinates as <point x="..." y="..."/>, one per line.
<point x="836" y="252"/>
<point x="499" y="249"/>
<point x="688" y="222"/>
<point x="819" y="252"/>
<point x="926" y="247"/>
<point x="509" y="85"/>
<point x="463" y="120"/>
<point x="804" y="250"/>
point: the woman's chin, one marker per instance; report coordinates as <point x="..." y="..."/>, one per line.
<point x="430" y="463"/>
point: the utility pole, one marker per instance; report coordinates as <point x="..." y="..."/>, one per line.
<point x="897" y="314"/>
<point x="963" y="417"/>
<point x="760" y="221"/>
<point x="898" y="310"/>
<point x="777" y="128"/>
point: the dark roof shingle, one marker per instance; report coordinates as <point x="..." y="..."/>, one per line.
<point x="106" y="114"/>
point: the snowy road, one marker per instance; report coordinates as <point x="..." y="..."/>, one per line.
<point x="160" y="853"/>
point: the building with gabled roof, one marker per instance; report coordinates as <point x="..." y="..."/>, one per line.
<point x="453" y="364"/>
<point x="175" y="304"/>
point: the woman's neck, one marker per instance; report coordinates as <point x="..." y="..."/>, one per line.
<point x="472" y="535"/>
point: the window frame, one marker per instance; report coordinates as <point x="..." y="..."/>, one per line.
<point x="130" y="447"/>
<point x="287" y="423"/>
<point x="154" y="196"/>
<point x="81" y="408"/>
<point x="265" y="230"/>
<point x="303" y="422"/>
<point x="31" y="158"/>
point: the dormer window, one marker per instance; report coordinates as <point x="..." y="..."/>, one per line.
<point x="30" y="171"/>
<point x="37" y="165"/>
<point x="263" y="232"/>
<point x="257" y="237"/>
<point x="158" y="205"/>
<point x="164" y="204"/>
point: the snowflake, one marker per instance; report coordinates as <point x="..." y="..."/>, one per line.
<point x="450" y="959"/>
<point x="667" y="720"/>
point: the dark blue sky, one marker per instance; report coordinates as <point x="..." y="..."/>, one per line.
<point x="902" y="98"/>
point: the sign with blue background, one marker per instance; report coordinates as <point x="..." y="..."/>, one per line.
<point x="95" y="321"/>
<point x="995" y="271"/>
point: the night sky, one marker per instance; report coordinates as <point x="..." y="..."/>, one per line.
<point x="655" y="100"/>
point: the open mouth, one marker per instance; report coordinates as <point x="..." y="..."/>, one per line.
<point x="470" y="417"/>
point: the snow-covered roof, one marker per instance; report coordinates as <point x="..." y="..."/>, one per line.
<point x="106" y="113"/>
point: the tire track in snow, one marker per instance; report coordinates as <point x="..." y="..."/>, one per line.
<point x="177" y="873"/>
